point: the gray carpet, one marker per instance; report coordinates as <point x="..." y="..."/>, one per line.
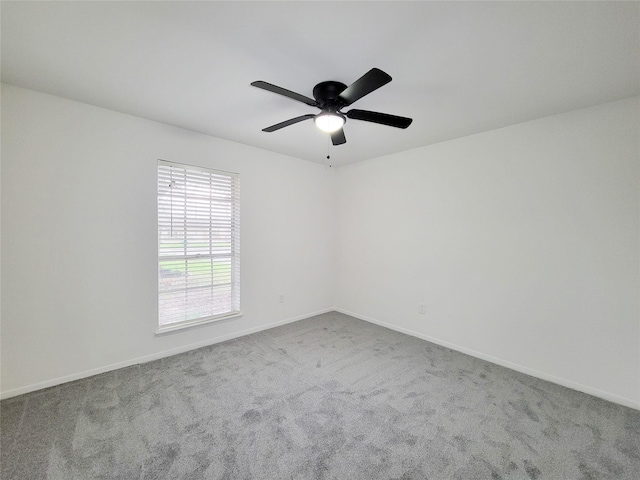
<point x="329" y="397"/>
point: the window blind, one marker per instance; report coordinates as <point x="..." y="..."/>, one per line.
<point x="198" y="244"/>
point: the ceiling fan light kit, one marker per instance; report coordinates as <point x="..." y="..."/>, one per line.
<point x="330" y="97"/>
<point x="329" y="122"/>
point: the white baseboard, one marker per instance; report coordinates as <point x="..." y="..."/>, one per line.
<point x="627" y="402"/>
<point x="155" y="356"/>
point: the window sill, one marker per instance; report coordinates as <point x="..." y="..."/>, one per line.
<point x="176" y="327"/>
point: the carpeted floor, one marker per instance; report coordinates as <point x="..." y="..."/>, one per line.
<point x="329" y="397"/>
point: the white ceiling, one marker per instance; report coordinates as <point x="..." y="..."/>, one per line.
<point x="458" y="68"/>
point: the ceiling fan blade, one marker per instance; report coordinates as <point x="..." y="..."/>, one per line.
<point x="338" y="138"/>
<point x="283" y="91"/>
<point x="286" y="123"/>
<point x="370" y="81"/>
<point x="382" y="118"/>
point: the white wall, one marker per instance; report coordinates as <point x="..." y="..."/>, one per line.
<point x="522" y="242"/>
<point x="79" y="266"/>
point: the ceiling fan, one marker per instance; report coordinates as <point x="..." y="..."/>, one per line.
<point x="330" y="97"/>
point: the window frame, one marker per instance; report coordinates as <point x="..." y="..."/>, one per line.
<point x="234" y="253"/>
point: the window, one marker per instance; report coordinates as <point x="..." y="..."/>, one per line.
<point x="198" y="245"/>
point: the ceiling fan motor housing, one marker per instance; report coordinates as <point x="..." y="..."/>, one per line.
<point x="326" y="94"/>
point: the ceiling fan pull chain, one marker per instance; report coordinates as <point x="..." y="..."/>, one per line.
<point x="328" y="147"/>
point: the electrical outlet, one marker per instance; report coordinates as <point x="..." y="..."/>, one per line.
<point x="422" y="309"/>
<point x="281" y="298"/>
